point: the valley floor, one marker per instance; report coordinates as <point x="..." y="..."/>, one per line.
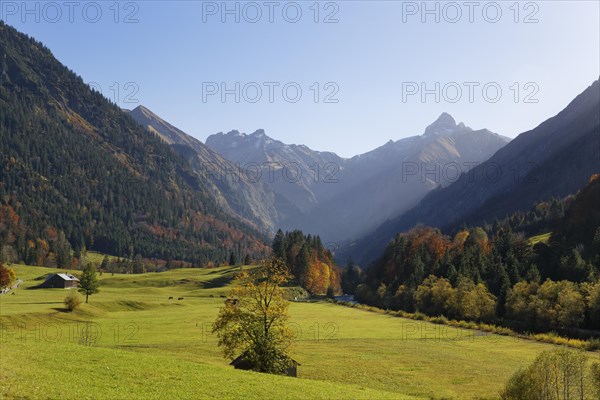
<point x="131" y="341"/>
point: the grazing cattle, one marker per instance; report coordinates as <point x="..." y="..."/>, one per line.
<point x="222" y="296"/>
<point x="171" y="298"/>
<point x="212" y="295"/>
<point x="181" y="298"/>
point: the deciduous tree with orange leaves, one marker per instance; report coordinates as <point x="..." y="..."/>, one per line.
<point x="309" y="263"/>
<point x="7" y="276"/>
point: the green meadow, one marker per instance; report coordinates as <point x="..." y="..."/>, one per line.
<point x="543" y="238"/>
<point x="131" y="341"/>
<point x="96" y="258"/>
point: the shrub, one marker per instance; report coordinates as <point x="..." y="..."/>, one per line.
<point x="518" y="387"/>
<point x="419" y="316"/>
<point x="553" y="338"/>
<point x="554" y="375"/>
<point x="439" y="320"/>
<point x="73" y="300"/>
<point x="593" y="344"/>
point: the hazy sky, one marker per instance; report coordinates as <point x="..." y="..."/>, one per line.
<point x="361" y="67"/>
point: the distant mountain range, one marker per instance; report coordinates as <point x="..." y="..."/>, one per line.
<point x="342" y="198"/>
<point x="294" y="171"/>
<point x="234" y="191"/>
<point x="556" y="158"/>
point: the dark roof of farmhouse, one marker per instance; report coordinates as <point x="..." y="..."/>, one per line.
<point x="242" y="357"/>
<point x="66" y="277"/>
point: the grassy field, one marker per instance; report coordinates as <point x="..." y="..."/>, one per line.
<point x="543" y="238"/>
<point x="140" y="344"/>
<point x="96" y="258"/>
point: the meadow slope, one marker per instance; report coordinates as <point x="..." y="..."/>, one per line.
<point x="131" y="341"/>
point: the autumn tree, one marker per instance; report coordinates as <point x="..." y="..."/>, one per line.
<point x="570" y="306"/>
<point x="558" y="304"/>
<point x="554" y="375"/>
<point x="592" y="292"/>
<point x="474" y="301"/>
<point x="434" y="296"/>
<point x="318" y="278"/>
<point x="7" y="276"/>
<point x="253" y="322"/>
<point x="310" y="264"/>
<point x="459" y="239"/>
<point x="88" y="283"/>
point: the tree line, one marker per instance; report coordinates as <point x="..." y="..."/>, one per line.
<point x="496" y="274"/>
<point x="308" y="261"/>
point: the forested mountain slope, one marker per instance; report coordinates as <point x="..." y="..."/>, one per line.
<point x="236" y="190"/>
<point x="553" y="160"/>
<point x="73" y="161"/>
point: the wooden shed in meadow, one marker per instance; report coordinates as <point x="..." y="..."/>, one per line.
<point x="62" y="281"/>
<point x="242" y="363"/>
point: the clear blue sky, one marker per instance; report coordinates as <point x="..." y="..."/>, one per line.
<point x="371" y="54"/>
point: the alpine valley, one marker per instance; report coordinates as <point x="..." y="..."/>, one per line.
<point x="140" y="262"/>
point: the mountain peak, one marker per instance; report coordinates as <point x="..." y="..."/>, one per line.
<point x="444" y="125"/>
<point x="167" y="132"/>
<point x="142" y="112"/>
<point x="142" y="109"/>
